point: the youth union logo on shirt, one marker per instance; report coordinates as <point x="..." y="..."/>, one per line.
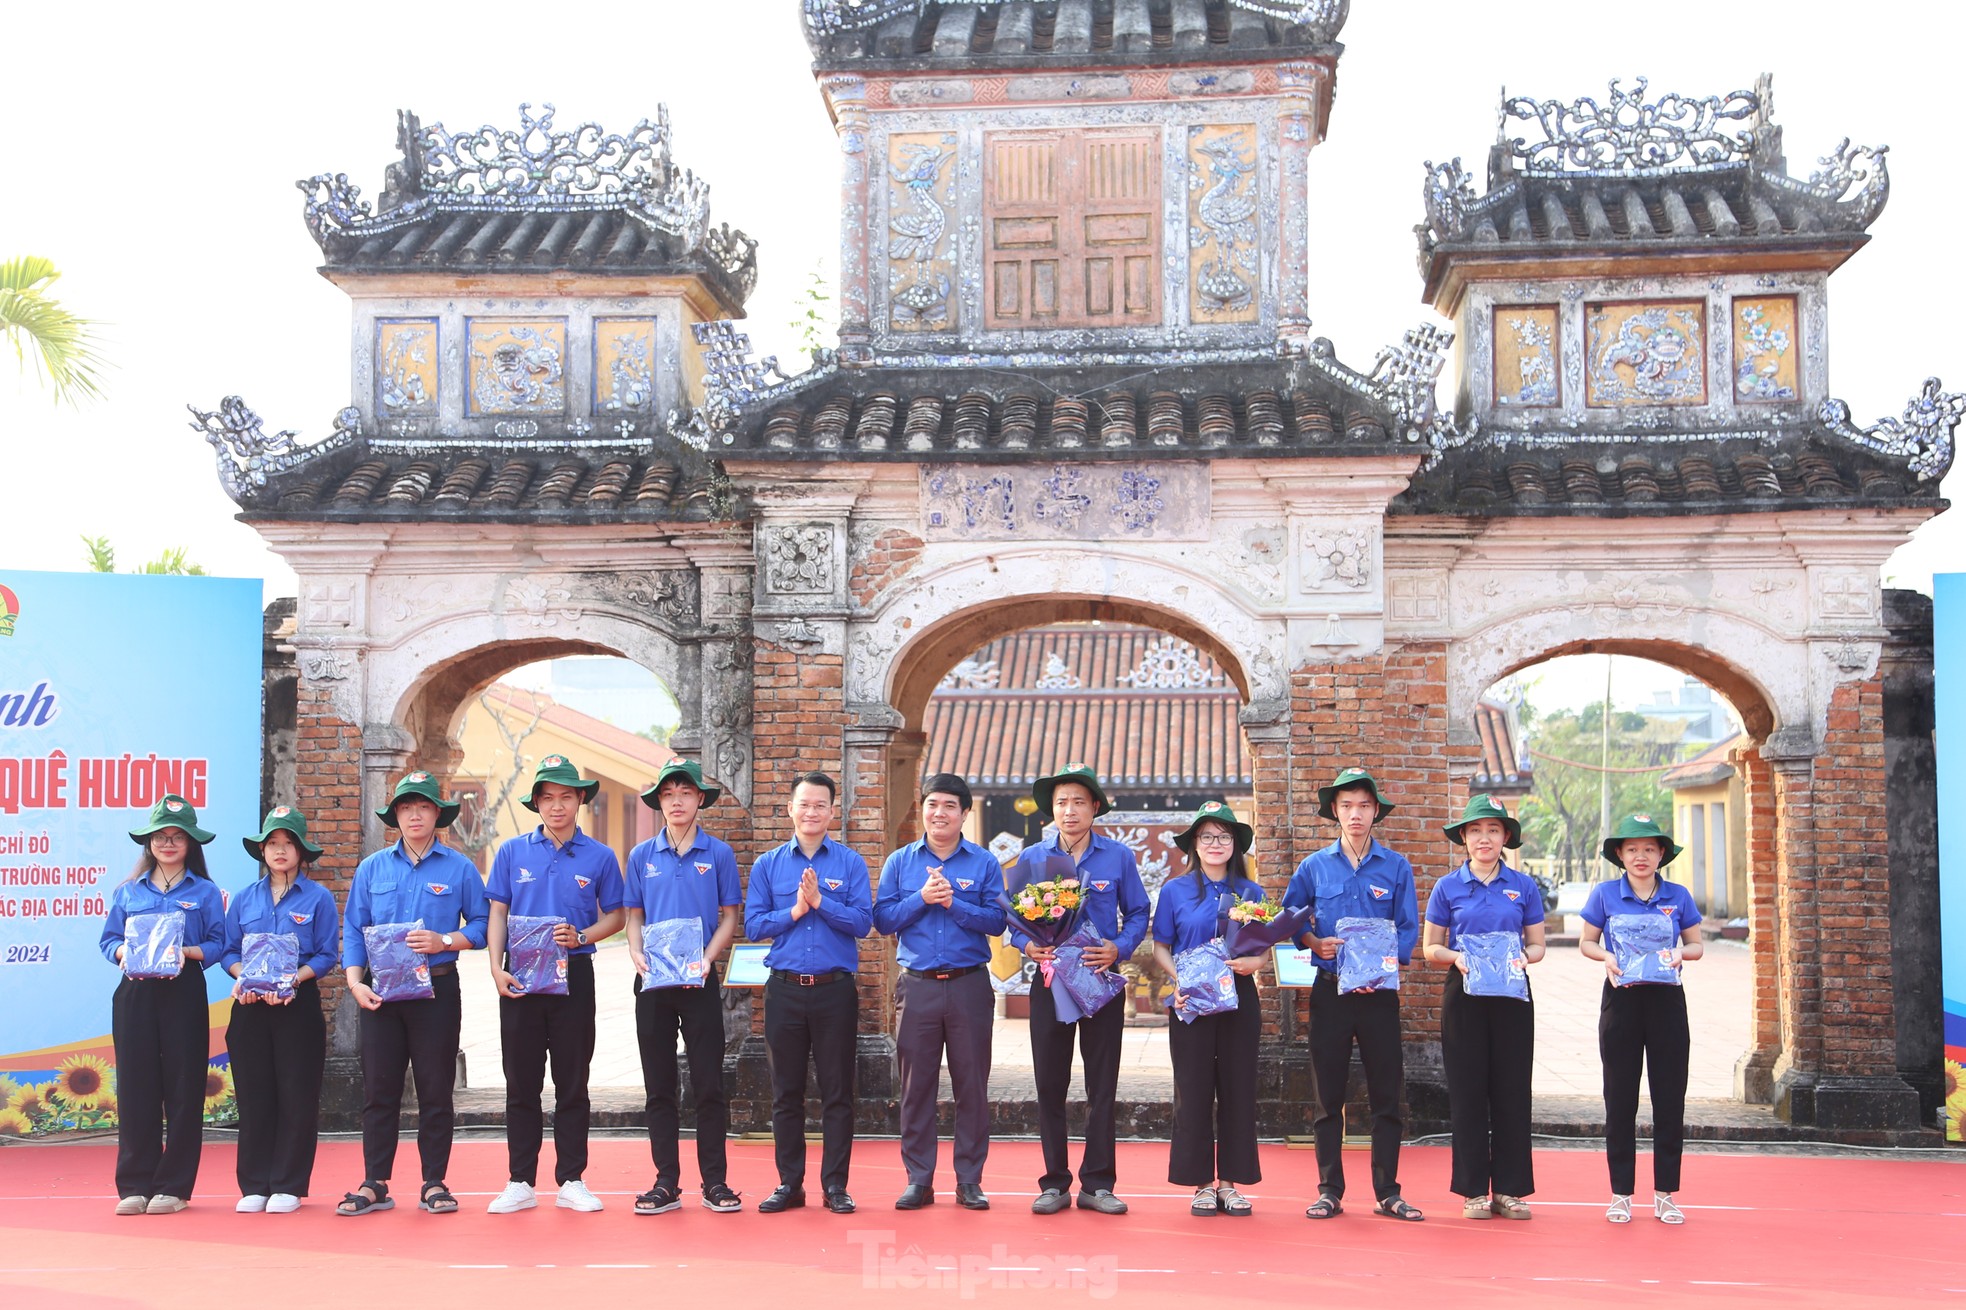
<point x="1512" y="895"/>
<point x="300" y="918"/>
<point x="1668" y="910"/>
<point x="1378" y="893"/>
<point x="1101" y="884"/>
<point x="188" y="905"/>
<point x="581" y="882"/>
<point x="438" y="888"/>
<point x="833" y="884"/>
<point x="965" y="883"/>
<point x="703" y="866"/>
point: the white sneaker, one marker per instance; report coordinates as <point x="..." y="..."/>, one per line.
<point x="132" y="1205"/>
<point x="250" y="1205"/>
<point x="575" y="1196"/>
<point x="515" y="1197"/>
<point x="164" y="1205"/>
<point x="282" y="1203"/>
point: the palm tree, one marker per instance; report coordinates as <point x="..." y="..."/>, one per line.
<point x="64" y="345"/>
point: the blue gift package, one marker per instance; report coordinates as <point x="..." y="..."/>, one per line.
<point x="1203" y="979"/>
<point x="1089" y="990"/>
<point x="1496" y="965"/>
<point x="268" y="962"/>
<point x="153" y="945"/>
<point x="396" y="972"/>
<point x="1368" y="957"/>
<point x="1642" y="945"/>
<point x="535" y="960"/>
<point x="674" y="950"/>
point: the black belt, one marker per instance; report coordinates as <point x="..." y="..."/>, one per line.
<point x="942" y="975"/>
<point x="439" y="970"/>
<point x="809" y="979"/>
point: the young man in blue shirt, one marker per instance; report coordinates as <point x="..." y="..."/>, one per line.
<point x="422" y="881"/>
<point x="1356" y="877"/>
<point x="813" y="901"/>
<point x="683" y="873"/>
<point x="1117" y="909"/>
<point x="556" y="872"/>
<point x="939" y="897"/>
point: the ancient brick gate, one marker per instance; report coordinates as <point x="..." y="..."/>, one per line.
<point x="1075" y="381"/>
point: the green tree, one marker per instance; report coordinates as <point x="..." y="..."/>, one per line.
<point x="173" y="561"/>
<point x="64" y="346"/>
<point x="1560" y="818"/>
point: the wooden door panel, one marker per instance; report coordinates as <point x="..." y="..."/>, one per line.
<point x="1072" y="226"/>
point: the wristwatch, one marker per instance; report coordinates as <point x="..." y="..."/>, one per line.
<point x="580" y="935"/>
<point x="446" y="939"/>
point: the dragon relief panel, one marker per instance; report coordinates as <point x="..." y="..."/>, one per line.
<point x="921" y="262"/>
<point x="518" y="366"/>
<point x="1222" y="222"/>
<point x="1645" y="353"/>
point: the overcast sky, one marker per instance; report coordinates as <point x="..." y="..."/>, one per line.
<point x="156" y="147"/>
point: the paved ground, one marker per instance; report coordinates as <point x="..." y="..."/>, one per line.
<point x="1567" y="993"/>
<point x="1778" y="1231"/>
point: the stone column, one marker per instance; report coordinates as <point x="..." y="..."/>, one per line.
<point x="847" y="95"/>
<point x="1297" y="130"/>
<point x="1912" y="802"/>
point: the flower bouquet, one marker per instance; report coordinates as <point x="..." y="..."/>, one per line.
<point x="537" y="963"/>
<point x="153" y="945"/>
<point x="1368" y="958"/>
<point x="1642" y="944"/>
<point x="1204" y="981"/>
<point x="268" y="962"/>
<point x="1496" y="964"/>
<point x="1253" y="927"/>
<point x="673" y="950"/>
<point x="396" y="971"/>
<point x="1078" y="991"/>
<point x="1046" y="910"/>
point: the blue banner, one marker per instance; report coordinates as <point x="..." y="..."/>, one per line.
<point x="1949" y="738"/>
<point x="115" y="689"/>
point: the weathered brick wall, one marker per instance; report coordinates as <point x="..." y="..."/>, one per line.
<point x="890" y="554"/>
<point x="328" y="789"/>
<point x="1757" y="791"/>
<point x="1851" y="851"/>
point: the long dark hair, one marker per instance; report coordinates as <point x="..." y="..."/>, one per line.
<point x="1233" y="874"/>
<point x="194" y="860"/>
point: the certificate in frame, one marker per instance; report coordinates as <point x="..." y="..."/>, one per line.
<point x="747" y="965"/>
<point x="1294" y="968"/>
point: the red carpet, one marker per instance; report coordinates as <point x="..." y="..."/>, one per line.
<point x="1761" y="1230"/>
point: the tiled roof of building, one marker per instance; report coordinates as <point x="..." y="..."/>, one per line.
<point x="1503" y="770"/>
<point x="1714" y="764"/>
<point x="631" y="745"/>
<point x="907" y="34"/>
<point x="1146" y="708"/>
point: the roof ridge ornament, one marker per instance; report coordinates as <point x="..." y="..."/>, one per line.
<point x="1922" y="438"/>
<point x="1627" y="133"/>
<point x="247" y="456"/>
<point x="1325" y="18"/>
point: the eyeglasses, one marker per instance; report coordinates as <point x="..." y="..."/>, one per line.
<point x="1215" y="839"/>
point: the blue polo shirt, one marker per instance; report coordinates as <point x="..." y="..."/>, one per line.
<point x="444" y="892"/>
<point x="1380" y="888"/>
<point x="1617" y="897"/>
<point x="196" y="898"/>
<point x="1462" y="904"/>
<point x="934" y="936"/>
<point x="826" y="939"/>
<point x="578" y="882"/>
<point x="306" y="912"/>
<point x="1116" y="902"/>
<point x="665" y="883"/>
<point x="1188" y="915"/>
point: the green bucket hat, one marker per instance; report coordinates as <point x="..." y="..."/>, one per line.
<point x="558" y="768"/>
<point x="688" y="770"/>
<point x="1639" y="825"/>
<point x="1216" y="812"/>
<point x="1483" y="806"/>
<point x="419" y="784"/>
<point x="1080" y="773"/>
<point x="172" y="812"/>
<point x="1327" y="797"/>
<point x="283" y="818"/>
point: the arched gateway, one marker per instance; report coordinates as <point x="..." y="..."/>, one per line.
<point x="1074" y="380"/>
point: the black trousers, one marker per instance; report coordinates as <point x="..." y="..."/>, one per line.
<point x="818" y="1023"/>
<point x="956" y="1015"/>
<point x="1371" y="1019"/>
<point x="697" y="1013"/>
<point x="161" y="1034"/>
<point x="277" y="1057"/>
<point x="418" y="1037"/>
<point x="1488" y="1044"/>
<point x="1051" y="1068"/>
<point x="1214" y="1061"/>
<point x="532" y="1030"/>
<point x="1644" y="1023"/>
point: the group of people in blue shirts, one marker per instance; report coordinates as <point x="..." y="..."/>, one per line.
<point x="813" y="900"/>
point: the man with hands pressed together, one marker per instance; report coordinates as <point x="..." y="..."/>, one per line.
<point x="1356" y="877"/>
<point x="1116" y="908"/>
<point x="812" y="900"/>
<point x="683" y="873"/>
<point x="555" y="871"/>
<point x="417" y="880"/>
<point x="940" y="896"/>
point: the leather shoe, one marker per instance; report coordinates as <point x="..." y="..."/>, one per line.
<point x="914" y="1197"/>
<point x="786" y="1197"/>
<point x="1103" y="1201"/>
<point x="970" y="1196"/>
<point x="1050" y="1201"/>
<point x="839" y="1203"/>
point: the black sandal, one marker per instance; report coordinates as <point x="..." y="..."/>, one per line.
<point x="1325" y="1207"/>
<point x="437" y="1199"/>
<point x="357" y="1203"/>
<point x="1396" y="1207"/>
